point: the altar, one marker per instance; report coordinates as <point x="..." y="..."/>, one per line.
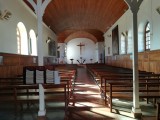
<point x="81" y="61"/>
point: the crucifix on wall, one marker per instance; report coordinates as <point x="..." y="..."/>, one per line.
<point x="80" y="45"/>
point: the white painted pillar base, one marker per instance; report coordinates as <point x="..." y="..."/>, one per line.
<point x="42" y="113"/>
<point x="137" y="113"/>
<point x="136" y="110"/>
<point x="42" y="110"/>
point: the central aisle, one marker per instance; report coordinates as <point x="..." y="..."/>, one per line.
<point x="88" y="103"/>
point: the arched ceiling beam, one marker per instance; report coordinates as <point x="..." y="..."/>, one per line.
<point x="98" y="35"/>
<point x="81" y="34"/>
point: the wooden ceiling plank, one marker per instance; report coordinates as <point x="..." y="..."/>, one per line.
<point x="73" y="15"/>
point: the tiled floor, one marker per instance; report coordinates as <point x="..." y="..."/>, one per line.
<point x="88" y="106"/>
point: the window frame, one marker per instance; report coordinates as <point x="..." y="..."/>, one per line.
<point x="125" y="40"/>
<point x="18" y="41"/>
<point x="147" y="34"/>
<point x="22" y="39"/>
<point x="32" y="43"/>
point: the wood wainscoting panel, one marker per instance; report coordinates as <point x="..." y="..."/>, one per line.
<point x="13" y="64"/>
<point x="147" y="61"/>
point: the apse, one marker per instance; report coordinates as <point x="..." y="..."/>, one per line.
<point x="81" y="51"/>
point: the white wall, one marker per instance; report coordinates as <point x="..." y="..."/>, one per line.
<point x="88" y="51"/>
<point x="20" y="13"/>
<point x="147" y="12"/>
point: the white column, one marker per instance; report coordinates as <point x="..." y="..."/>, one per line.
<point x="39" y="9"/>
<point x="135" y="108"/>
<point x="134" y="6"/>
<point x="40" y="29"/>
<point x="42" y="110"/>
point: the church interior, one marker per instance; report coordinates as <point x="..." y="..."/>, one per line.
<point x="79" y="59"/>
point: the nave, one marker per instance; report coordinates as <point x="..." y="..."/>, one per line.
<point x="90" y="105"/>
<point x="86" y="104"/>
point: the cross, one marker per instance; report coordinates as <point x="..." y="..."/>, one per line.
<point x="80" y="46"/>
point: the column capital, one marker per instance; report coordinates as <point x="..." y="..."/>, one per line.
<point x="40" y="6"/>
<point x="134" y="5"/>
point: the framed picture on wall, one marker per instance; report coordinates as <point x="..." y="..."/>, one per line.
<point x="115" y="41"/>
<point x="52" y="48"/>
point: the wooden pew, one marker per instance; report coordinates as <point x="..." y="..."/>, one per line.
<point x="105" y="74"/>
<point x="15" y="90"/>
<point x="67" y="75"/>
<point x="7" y="94"/>
<point x="124" y="90"/>
<point x="158" y="111"/>
<point x="11" y="81"/>
<point x="103" y="87"/>
<point x="29" y="94"/>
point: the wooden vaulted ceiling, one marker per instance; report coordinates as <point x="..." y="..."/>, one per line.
<point x="82" y="18"/>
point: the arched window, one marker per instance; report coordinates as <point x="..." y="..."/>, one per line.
<point x="147" y="37"/>
<point x="22" y="41"/>
<point x="32" y="43"/>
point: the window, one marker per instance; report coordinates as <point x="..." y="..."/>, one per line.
<point x="147" y="36"/>
<point x="22" y="41"/>
<point x="32" y="43"/>
<point x="129" y="42"/>
<point x="65" y="50"/>
<point x="124" y="43"/>
<point x="18" y="41"/>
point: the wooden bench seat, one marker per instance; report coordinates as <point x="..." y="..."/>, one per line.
<point x="6" y="94"/>
<point x="29" y="94"/>
<point x="123" y="76"/>
<point x="104" y="75"/>
<point x="11" y="81"/>
<point x="116" y="90"/>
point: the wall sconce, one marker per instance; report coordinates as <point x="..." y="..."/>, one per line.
<point x="125" y="33"/>
<point x="6" y="15"/>
<point x="48" y="40"/>
<point x="58" y="47"/>
<point x="109" y="35"/>
<point x="158" y="10"/>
